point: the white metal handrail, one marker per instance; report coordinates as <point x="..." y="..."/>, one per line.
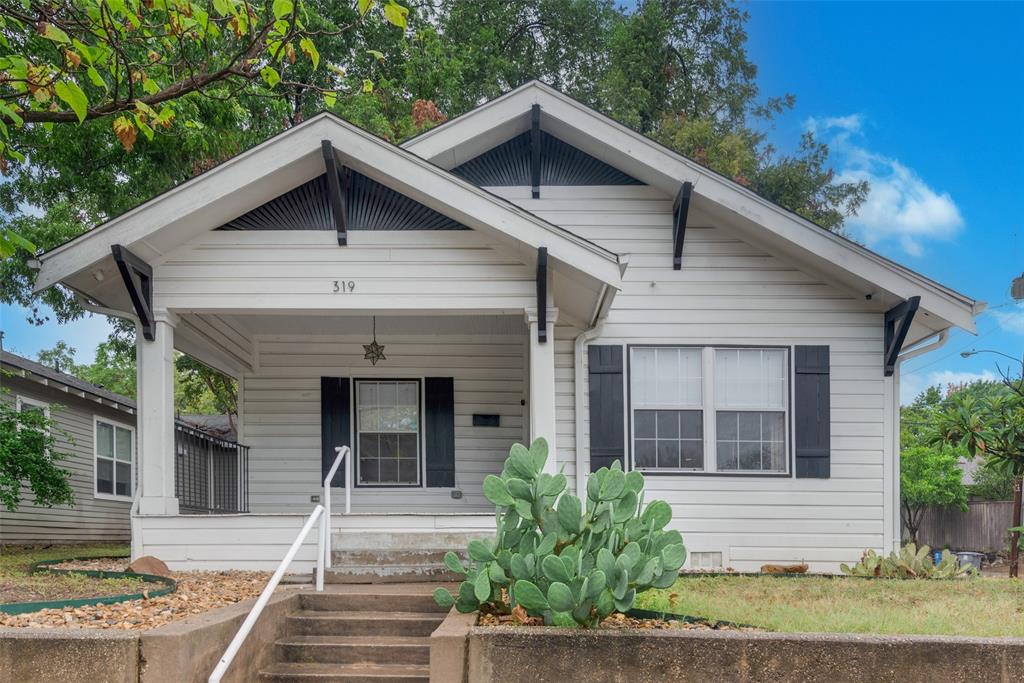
<point x="261" y="602"/>
<point x="344" y="454"/>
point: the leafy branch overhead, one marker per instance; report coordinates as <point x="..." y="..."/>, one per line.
<point x="67" y="61"/>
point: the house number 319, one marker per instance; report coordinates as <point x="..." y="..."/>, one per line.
<point x="342" y="286"/>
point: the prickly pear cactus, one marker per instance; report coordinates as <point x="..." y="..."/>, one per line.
<point x="909" y="562"/>
<point x="560" y="558"/>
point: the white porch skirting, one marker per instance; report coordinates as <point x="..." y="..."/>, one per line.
<point x="259" y="541"/>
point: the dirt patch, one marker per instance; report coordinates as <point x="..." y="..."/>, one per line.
<point x="619" y="622"/>
<point x="197" y="592"/>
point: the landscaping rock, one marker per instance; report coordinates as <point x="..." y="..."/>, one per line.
<point x="149" y="565"/>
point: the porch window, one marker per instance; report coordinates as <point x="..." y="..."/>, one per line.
<point x="388" y="432"/>
<point x="707" y="409"/>
<point x="115" y="451"/>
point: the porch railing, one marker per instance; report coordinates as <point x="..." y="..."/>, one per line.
<point x="344" y="456"/>
<point x="211" y="474"/>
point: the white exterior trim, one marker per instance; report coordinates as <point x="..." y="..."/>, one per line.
<point x="466" y="136"/>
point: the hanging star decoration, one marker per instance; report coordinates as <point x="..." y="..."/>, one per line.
<point x="374" y="351"/>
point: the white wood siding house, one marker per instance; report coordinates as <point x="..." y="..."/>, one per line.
<point x="605" y="293"/>
<point x="90" y="423"/>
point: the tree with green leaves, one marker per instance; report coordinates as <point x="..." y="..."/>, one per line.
<point x="992" y="426"/>
<point x="929" y="477"/>
<point x="29" y="458"/>
<point x="61" y="357"/>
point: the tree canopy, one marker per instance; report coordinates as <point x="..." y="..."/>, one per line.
<point x="114" y="101"/>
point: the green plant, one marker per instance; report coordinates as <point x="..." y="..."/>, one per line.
<point x="909" y="562"/>
<point x="29" y="459"/>
<point x="555" y="559"/>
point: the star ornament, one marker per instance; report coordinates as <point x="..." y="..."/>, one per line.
<point x="374" y="352"/>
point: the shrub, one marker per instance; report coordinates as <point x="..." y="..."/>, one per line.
<point x="910" y="562"/>
<point x="554" y="558"/>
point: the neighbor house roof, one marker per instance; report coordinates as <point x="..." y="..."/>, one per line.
<point x="62" y="381"/>
<point x="755" y="218"/>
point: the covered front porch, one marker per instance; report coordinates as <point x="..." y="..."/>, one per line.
<point x="305" y="387"/>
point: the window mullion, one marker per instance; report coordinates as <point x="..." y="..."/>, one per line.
<point x="708" y="391"/>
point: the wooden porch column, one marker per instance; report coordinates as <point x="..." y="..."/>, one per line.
<point x="155" y="448"/>
<point x="542" y="384"/>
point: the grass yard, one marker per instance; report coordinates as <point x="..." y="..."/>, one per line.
<point x="17" y="585"/>
<point x="973" y="607"/>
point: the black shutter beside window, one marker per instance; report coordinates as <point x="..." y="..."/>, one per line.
<point x="607" y="406"/>
<point x="335" y="425"/>
<point x="439" y="422"/>
<point x="811" y="412"/>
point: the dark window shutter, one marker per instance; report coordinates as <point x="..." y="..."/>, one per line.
<point x="335" y="425"/>
<point x="607" y="406"/>
<point x="439" y="422"/>
<point x="811" y="412"/>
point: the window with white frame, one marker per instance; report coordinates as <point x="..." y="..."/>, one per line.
<point x="31" y="405"/>
<point x="115" y="451"/>
<point x="696" y="409"/>
<point x="388" y="426"/>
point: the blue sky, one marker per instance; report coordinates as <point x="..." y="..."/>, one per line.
<point x="924" y="100"/>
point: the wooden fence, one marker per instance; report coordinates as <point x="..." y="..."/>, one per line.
<point x="981" y="529"/>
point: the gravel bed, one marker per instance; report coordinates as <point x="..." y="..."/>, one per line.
<point x="615" y="621"/>
<point x="197" y="592"/>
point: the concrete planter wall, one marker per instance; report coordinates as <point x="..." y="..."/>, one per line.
<point x="503" y="654"/>
<point x="181" y="652"/>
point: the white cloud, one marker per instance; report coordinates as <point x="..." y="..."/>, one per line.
<point x="912" y="384"/>
<point x="1012" y="320"/>
<point x="901" y="207"/>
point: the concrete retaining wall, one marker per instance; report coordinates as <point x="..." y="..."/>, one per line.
<point x="181" y="652"/>
<point x="503" y="654"/>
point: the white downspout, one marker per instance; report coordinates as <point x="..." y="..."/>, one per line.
<point x="920" y="348"/>
<point x="579" y="345"/>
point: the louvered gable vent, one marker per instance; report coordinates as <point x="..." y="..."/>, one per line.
<point x="371" y="206"/>
<point x="508" y="164"/>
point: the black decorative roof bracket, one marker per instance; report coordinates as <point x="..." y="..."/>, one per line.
<point x="535" y="150"/>
<point x="542" y="294"/>
<point x="336" y="191"/>
<point x="897" y="324"/>
<point x="679" y="214"/>
<point x="138" y="280"/>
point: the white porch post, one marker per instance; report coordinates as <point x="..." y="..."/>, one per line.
<point x="156" y="418"/>
<point x="542" y="384"/>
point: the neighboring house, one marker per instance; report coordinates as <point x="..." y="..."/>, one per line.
<point x="96" y="428"/>
<point x="531" y="268"/>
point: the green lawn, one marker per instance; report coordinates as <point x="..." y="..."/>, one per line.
<point x="972" y="607"/>
<point x="17" y="585"/>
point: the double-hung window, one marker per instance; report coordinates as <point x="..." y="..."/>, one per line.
<point x="115" y="454"/>
<point x="31" y="405"/>
<point x="709" y="409"/>
<point x="388" y="421"/>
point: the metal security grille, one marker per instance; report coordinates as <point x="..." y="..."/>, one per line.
<point x="370" y="206"/>
<point x="211" y="475"/>
<point x="508" y="164"/>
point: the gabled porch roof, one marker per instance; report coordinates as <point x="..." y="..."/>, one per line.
<point x="753" y="218"/>
<point x="286" y="161"/>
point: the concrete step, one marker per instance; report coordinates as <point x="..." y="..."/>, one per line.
<point x="296" y="672"/>
<point x="325" y="623"/>
<point x="391" y="598"/>
<point x="354" y="649"/>
<point x="388" y="565"/>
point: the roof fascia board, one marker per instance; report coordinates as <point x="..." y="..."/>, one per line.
<point x="576" y="123"/>
<point x="296" y="155"/>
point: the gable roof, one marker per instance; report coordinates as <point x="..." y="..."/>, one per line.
<point x="294" y="157"/>
<point x="754" y="218"/>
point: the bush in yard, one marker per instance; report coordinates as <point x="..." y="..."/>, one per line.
<point x="29" y="458"/>
<point x="910" y="562"/>
<point x="556" y="558"/>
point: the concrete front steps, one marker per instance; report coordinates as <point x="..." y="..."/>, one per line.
<point x="394" y="557"/>
<point x="366" y="633"/>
